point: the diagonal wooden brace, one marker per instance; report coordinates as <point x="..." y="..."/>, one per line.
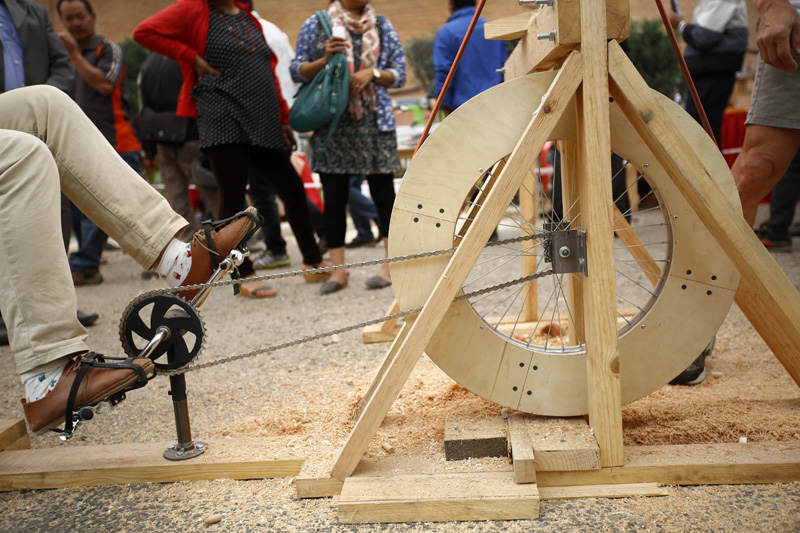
<point x="519" y="164"/>
<point x="765" y="295"/>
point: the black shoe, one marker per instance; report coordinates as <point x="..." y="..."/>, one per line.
<point x="361" y="240"/>
<point x="794" y="231"/>
<point x="3" y="333"/>
<point x="775" y="242"/>
<point x="696" y="372"/>
<point x="87" y="319"/>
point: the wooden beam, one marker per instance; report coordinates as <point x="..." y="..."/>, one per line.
<point x="534" y="54"/>
<point x="508" y="28"/>
<point x="693" y="464"/>
<point x="527" y="208"/>
<point x="622" y="490"/>
<point x="119" y="464"/>
<point x="13" y="434"/>
<point x="437" y="498"/>
<point x="522" y="159"/>
<point x="521" y="450"/>
<point x="766" y="296"/>
<point x="571" y="207"/>
<point x="599" y="286"/>
<point x="391" y="355"/>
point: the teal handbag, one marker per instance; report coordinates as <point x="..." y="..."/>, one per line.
<point x="323" y="100"/>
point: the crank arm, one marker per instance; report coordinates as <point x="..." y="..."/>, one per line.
<point x="227" y="265"/>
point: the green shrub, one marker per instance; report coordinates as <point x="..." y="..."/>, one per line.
<point x="652" y="54"/>
<point x="135" y="54"/>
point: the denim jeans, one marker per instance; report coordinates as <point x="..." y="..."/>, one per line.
<point x="362" y="209"/>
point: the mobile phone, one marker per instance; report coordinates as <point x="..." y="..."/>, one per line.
<point x="339" y="31"/>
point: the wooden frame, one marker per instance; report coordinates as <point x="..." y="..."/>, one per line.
<point x="594" y="73"/>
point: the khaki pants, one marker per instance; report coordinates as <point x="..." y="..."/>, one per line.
<point x="47" y="145"/>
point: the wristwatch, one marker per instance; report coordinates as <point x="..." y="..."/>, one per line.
<point x="376" y="74"/>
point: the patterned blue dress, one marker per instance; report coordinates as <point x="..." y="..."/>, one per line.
<point x="367" y="146"/>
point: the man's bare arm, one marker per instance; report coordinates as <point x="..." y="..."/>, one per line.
<point x="778" y="33"/>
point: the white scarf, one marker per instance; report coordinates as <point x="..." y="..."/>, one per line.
<point x="370" y="49"/>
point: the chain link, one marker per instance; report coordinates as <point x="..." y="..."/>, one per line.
<point x="330" y="333"/>
<point x="333" y="268"/>
<point x="345" y="329"/>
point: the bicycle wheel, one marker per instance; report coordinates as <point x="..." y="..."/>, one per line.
<point x="674" y="283"/>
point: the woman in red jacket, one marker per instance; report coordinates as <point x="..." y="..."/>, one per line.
<point x="229" y="85"/>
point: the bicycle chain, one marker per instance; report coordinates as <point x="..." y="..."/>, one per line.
<point x="330" y="333"/>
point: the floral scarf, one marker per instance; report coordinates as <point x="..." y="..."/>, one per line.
<point x="370" y="49"/>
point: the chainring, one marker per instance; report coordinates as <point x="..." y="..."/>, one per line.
<point x="145" y="314"/>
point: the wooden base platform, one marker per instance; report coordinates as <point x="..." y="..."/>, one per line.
<point x="691" y="464"/>
<point x="76" y="466"/>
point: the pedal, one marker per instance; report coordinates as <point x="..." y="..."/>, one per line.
<point x="88" y="412"/>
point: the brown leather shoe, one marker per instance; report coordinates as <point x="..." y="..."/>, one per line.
<point x="226" y="236"/>
<point x="97" y="385"/>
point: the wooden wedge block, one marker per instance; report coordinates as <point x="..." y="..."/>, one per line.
<point x="622" y="490"/>
<point x="521" y="450"/>
<point x="562" y="444"/>
<point x="317" y="487"/>
<point x="508" y="28"/>
<point x="437" y="498"/>
<point x="466" y="437"/>
<point x="14" y="435"/>
<point x="78" y="466"/>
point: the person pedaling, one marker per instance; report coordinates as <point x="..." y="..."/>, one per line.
<point x="93" y="382"/>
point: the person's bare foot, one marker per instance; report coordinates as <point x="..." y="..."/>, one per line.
<point x="256" y="289"/>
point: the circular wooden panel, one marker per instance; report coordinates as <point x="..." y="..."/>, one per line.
<point x="689" y="305"/>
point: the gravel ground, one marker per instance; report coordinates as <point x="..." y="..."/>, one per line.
<point x="299" y="399"/>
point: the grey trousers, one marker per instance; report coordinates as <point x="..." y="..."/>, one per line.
<point x="47" y="145"/>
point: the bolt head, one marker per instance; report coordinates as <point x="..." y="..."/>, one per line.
<point x="564" y="252"/>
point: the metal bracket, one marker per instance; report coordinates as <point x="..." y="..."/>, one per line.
<point x="566" y="250"/>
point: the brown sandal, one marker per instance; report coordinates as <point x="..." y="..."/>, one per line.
<point x="316" y="277"/>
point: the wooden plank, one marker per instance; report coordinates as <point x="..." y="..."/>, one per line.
<point x="693" y="464"/>
<point x="391" y="355"/>
<point x="508" y="28"/>
<point x="80" y="466"/>
<point x="562" y="444"/>
<point x="571" y="207"/>
<point x="522" y="159"/>
<point x="527" y="208"/>
<point x="20" y="444"/>
<point x="636" y="248"/>
<point x="766" y="296"/>
<point x="622" y="490"/>
<point x="317" y="487"/>
<point x="521" y="450"/>
<point x="437" y="498"/>
<point x="468" y="437"/>
<point x="12" y="431"/>
<point x="600" y="286"/>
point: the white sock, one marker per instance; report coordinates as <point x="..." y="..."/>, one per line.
<point x="40" y="381"/>
<point x="176" y="261"/>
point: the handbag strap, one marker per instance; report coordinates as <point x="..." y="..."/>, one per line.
<point x="324" y="21"/>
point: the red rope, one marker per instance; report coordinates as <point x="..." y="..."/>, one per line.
<point x="685" y="70"/>
<point x="438" y="105"/>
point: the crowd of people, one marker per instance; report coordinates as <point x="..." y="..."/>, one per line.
<point x="217" y="90"/>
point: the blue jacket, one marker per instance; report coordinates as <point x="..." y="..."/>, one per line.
<point x="311" y="46"/>
<point x="477" y="70"/>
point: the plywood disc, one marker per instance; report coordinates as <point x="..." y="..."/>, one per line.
<point x="665" y="320"/>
